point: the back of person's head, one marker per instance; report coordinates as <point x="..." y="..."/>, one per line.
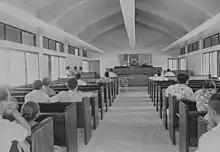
<point x="72" y="83"/>
<point x="111" y="70"/>
<point x="78" y="76"/>
<point x="37" y="84"/>
<point x="81" y="68"/>
<point x="168" y="70"/>
<point x="158" y="74"/>
<point x="67" y="68"/>
<point x="214" y="103"/>
<point x="75" y="68"/>
<point x="46" y="81"/>
<point x="106" y="74"/>
<point x="30" y="110"/>
<point x="209" y="84"/>
<point x="182" y="78"/>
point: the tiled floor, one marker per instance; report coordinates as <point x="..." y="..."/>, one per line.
<point x="131" y="125"/>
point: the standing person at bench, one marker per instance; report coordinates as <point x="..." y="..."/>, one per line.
<point x="181" y="89"/>
<point x="12" y="131"/>
<point x="112" y="74"/>
<point x="209" y="142"/>
<point x="203" y="95"/>
<point x="104" y="79"/>
<point x="37" y="95"/>
<point x="75" y="70"/>
<point x="69" y="72"/>
<point x="80" y="82"/>
<point x="169" y="73"/>
<point x="80" y="70"/>
<point x="46" y="87"/>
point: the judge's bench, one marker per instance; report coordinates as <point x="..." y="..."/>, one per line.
<point x="137" y="75"/>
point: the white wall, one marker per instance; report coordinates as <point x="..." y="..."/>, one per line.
<point x="194" y="63"/>
<point x="115" y="42"/>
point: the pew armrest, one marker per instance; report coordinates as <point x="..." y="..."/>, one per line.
<point x="197" y="113"/>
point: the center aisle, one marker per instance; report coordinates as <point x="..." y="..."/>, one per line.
<point x="131" y="125"/>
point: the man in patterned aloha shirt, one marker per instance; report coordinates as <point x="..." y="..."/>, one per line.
<point x="203" y="95"/>
<point x="180" y="90"/>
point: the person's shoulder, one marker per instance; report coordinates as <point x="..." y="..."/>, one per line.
<point x="210" y="139"/>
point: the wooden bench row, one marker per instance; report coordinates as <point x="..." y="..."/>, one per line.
<point x="59" y="121"/>
<point x="183" y="116"/>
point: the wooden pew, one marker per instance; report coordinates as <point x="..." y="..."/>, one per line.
<point x="106" y="91"/>
<point x="202" y="126"/>
<point x="93" y="101"/>
<point x="42" y="137"/>
<point x="91" y="88"/>
<point x="189" y="126"/>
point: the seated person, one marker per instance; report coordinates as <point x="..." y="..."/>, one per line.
<point x="80" y="82"/>
<point x="180" y="90"/>
<point x="37" y="95"/>
<point x="203" y="95"/>
<point x="73" y="94"/>
<point x="169" y="73"/>
<point x="12" y="131"/>
<point x="112" y="74"/>
<point x="46" y="87"/>
<point x="104" y="79"/>
<point x="209" y="141"/>
<point x="30" y="111"/>
<point x="158" y="74"/>
<point x="158" y="78"/>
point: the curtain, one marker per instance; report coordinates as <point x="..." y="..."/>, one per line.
<point x="145" y="59"/>
<point x="45" y="70"/>
<point x="62" y="65"/>
<point x="17" y="68"/>
<point x="4" y="66"/>
<point x="85" y="65"/>
<point x="32" y="67"/>
<point x="55" y="67"/>
<point x="121" y="59"/>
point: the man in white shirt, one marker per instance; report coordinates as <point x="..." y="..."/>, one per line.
<point x="69" y="73"/>
<point x="209" y="142"/>
<point x="112" y="74"/>
<point x="80" y="82"/>
<point x="12" y="131"/>
<point x="169" y="73"/>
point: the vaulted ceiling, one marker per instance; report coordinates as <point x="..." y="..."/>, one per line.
<point x="96" y="21"/>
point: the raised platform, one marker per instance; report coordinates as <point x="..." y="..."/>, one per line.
<point x="138" y="75"/>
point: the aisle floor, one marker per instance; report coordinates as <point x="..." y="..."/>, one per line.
<point x="131" y="125"/>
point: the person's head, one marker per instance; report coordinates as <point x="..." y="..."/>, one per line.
<point x="30" y="111"/>
<point x="37" y="85"/>
<point x="182" y="78"/>
<point x="4" y="102"/>
<point x="78" y="76"/>
<point x="81" y="68"/>
<point x="168" y="70"/>
<point x="158" y="74"/>
<point x="67" y="68"/>
<point x="46" y="81"/>
<point x="214" y="107"/>
<point x="75" y="68"/>
<point x="209" y="84"/>
<point x="72" y="83"/>
<point x="106" y="74"/>
<point x="111" y="70"/>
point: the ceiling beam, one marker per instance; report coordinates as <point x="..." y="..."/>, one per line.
<point x="128" y="11"/>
